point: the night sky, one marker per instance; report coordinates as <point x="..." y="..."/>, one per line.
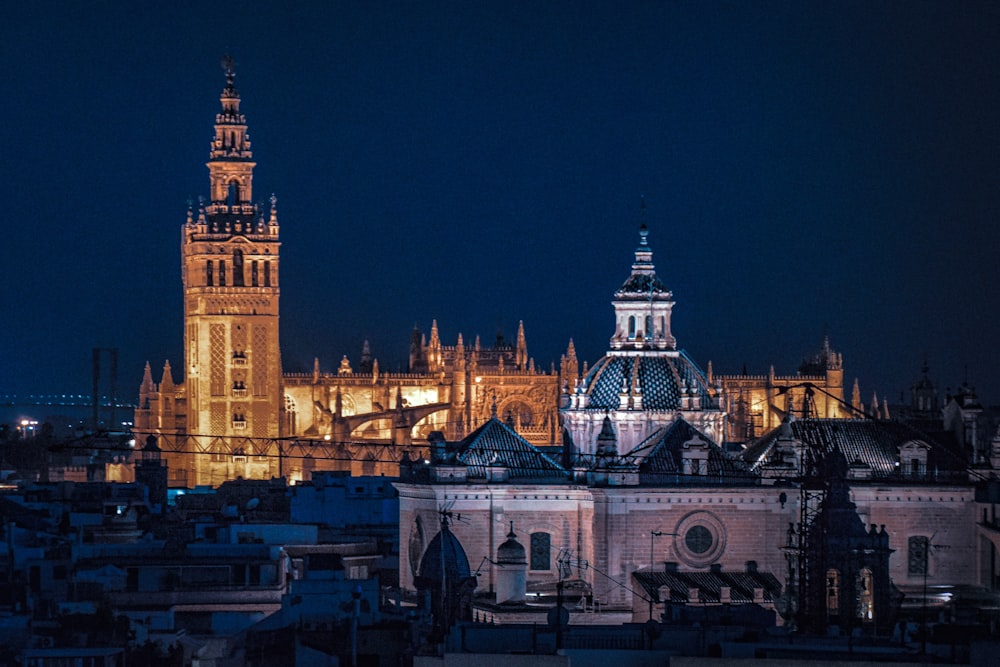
<point x="807" y="168"/>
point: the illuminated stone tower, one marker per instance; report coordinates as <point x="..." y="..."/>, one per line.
<point x="229" y="256"/>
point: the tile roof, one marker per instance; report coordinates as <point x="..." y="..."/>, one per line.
<point x="871" y="441"/>
<point x="495" y="443"/>
<point x="709" y="585"/>
<point x="661" y="454"/>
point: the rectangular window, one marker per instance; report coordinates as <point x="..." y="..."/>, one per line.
<point x="918" y="545"/>
<point x="541" y="551"/>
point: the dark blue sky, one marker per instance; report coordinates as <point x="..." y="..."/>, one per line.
<point x="807" y="168"/>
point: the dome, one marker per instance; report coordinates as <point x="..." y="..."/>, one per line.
<point x="511" y="552"/>
<point x="659" y="380"/>
<point x="445" y="553"/>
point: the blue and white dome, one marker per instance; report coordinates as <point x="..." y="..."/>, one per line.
<point x="644" y="382"/>
<point x="648" y="382"/>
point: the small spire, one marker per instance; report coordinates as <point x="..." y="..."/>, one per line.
<point x="147" y="380"/>
<point x="521" y="353"/>
<point x="856" y="395"/>
<point x="167" y="383"/>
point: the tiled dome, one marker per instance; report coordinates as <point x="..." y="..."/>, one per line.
<point x="658" y="379"/>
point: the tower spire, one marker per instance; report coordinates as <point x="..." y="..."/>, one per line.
<point x="643" y="304"/>
<point x="230" y="158"/>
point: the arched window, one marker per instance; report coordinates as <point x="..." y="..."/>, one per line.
<point x="253" y="273"/>
<point x="209" y="278"/>
<point x="233" y="195"/>
<point x="541" y="548"/>
<point x="238" y="268"/>
<point x="267" y="274"/>
<point x="649" y="326"/>
<point x="222" y="273"/>
<point x="631" y="326"/>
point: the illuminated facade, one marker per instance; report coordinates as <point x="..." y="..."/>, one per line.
<point x="756" y="404"/>
<point x="237" y="415"/>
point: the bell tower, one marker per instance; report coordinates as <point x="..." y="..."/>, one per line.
<point x="643" y="305"/>
<point x="229" y="267"/>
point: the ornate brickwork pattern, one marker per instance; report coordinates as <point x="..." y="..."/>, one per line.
<point x="258" y="422"/>
<point x="239" y="336"/>
<point x="219" y="418"/>
<point x="261" y="361"/>
<point x="217" y="342"/>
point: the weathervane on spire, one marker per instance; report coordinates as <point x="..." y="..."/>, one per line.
<point x="643" y="230"/>
<point x="228" y="66"/>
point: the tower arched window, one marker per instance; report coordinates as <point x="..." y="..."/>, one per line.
<point x="238" y="268"/>
<point x="222" y="273"/>
<point x="233" y="193"/>
<point x="209" y="278"/>
<point x="631" y="326"/>
<point x="267" y="274"/>
<point x="649" y="326"/>
<point x="253" y="273"/>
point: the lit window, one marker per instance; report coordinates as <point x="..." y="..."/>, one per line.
<point x="833" y="592"/>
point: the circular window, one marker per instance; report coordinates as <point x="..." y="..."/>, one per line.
<point x="700" y="539"/>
